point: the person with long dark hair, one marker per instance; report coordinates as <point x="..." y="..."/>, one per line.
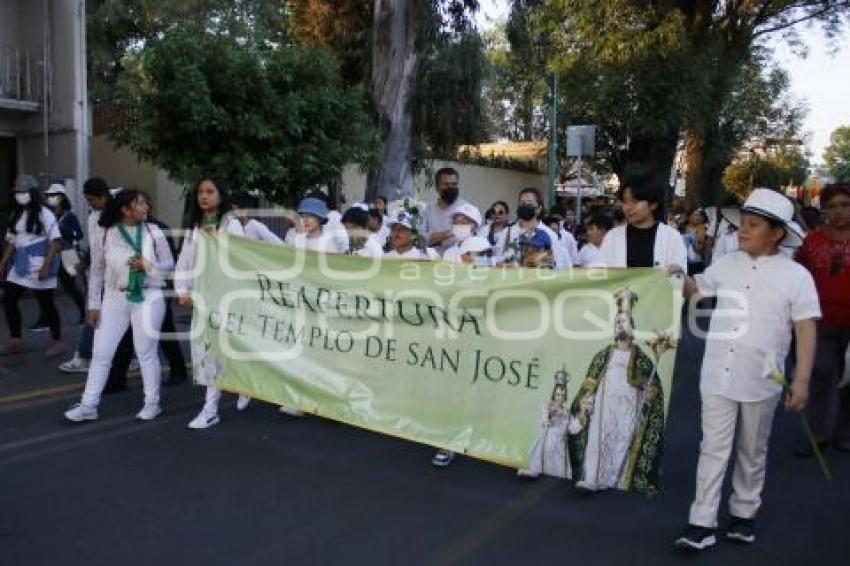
<point x="128" y="273"/>
<point x="32" y="240"/>
<point x="644" y="241"/>
<point x="210" y="212"/>
<point x="71" y="233"/>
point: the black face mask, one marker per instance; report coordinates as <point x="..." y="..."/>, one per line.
<point x="526" y="212"/>
<point x="450" y="195"/>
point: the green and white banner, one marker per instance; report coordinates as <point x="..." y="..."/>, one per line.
<point x="565" y="373"/>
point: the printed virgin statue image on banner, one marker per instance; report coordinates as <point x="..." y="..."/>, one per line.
<point x="565" y="373"/>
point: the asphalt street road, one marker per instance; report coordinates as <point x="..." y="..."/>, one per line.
<point x="264" y="488"/>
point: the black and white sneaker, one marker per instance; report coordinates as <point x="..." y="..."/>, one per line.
<point x="442" y="459"/>
<point x="741" y="530"/>
<point x="696" y="538"/>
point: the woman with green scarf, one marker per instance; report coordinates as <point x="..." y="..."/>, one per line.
<point x="128" y="274"/>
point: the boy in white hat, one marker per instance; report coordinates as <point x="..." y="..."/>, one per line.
<point x="466" y="221"/>
<point x="402" y="240"/>
<point x="761" y="295"/>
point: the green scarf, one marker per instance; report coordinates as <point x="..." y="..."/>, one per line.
<point x="136" y="279"/>
<point x="210" y="221"/>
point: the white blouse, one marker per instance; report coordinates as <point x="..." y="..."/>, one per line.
<point x="109" y="269"/>
<point x="186" y="260"/>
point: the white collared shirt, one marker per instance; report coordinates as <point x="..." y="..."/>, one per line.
<point x="758" y="300"/>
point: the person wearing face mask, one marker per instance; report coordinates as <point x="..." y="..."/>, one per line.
<point x="438" y="219"/>
<point x="361" y="242"/>
<point x="529" y="213"/>
<point x="32" y="258"/>
<point x="467" y="221"/>
<point x="71" y="234"/>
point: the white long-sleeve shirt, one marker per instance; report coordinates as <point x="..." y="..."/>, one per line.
<point x="109" y="269"/>
<point x="256" y="230"/>
<point x="186" y="260"/>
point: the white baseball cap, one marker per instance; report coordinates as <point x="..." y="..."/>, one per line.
<point x="470" y="211"/>
<point x="475" y="244"/>
<point x="56" y="189"/>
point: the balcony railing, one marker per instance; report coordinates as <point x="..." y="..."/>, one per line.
<point x="21" y="75"/>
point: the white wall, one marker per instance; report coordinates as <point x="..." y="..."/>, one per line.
<point x="481" y="186"/>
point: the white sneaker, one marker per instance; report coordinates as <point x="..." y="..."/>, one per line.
<point x="243" y="402"/>
<point x="291" y="412"/>
<point x="80" y="413"/>
<point x="149" y="412"/>
<point x="75" y="365"/>
<point x="134" y="367"/>
<point x="204" y="420"/>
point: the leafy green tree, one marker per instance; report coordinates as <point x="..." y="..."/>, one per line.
<point x="280" y="121"/>
<point x="782" y="165"/>
<point x="837" y="154"/>
<point x="116" y="27"/>
<point x="701" y="51"/>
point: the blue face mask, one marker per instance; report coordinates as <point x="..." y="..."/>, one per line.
<point x="483" y="261"/>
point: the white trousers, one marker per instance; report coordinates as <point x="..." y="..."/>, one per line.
<point x="754" y="421"/>
<point x="116" y="315"/>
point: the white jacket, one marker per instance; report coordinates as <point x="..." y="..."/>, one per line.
<point x="669" y="248"/>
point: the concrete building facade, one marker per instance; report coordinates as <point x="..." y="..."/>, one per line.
<point x="44" y="116"/>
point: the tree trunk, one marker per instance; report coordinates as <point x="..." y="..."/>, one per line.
<point x="394" y="62"/>
<point x="695" y="187"/>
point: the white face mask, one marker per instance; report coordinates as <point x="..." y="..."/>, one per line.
<point x="53" y="200"/>
<point x="22" y="199"/>
<point x="462" y="231"/>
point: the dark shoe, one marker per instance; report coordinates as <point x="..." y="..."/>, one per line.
<point x="741" y="530"/>
<point x="696" y="538"/>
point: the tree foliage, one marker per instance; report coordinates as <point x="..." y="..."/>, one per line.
<point x="116" y="27"/>
<point x="676" y="66"/>
<point x="780" y="166"/>
<point x="279" y="121"/>
<point x="837" y="154"/>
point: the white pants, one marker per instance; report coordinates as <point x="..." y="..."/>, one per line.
<point x="116" y="314"/>
<point x="719" y="418"/>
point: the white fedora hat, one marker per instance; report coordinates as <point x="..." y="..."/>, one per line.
<point x="775" y="206"/>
